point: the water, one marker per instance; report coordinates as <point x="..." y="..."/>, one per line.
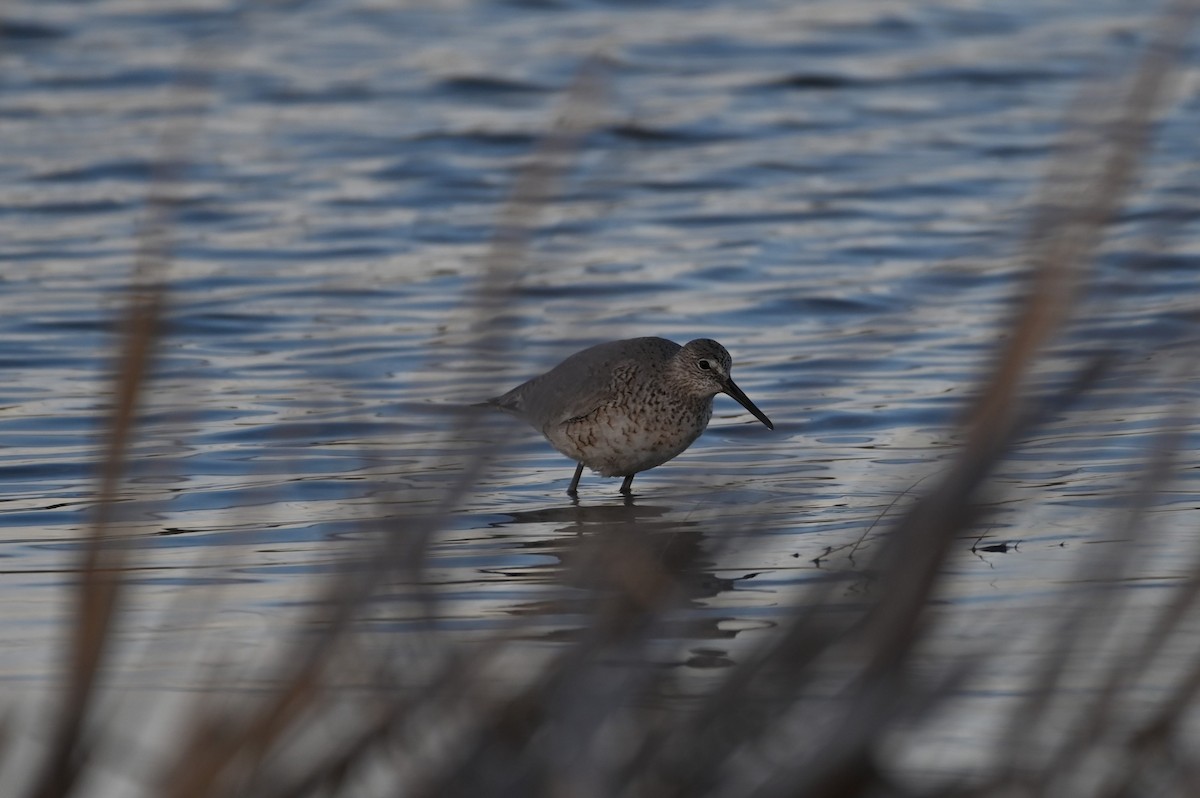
<point x="836" y="191"/>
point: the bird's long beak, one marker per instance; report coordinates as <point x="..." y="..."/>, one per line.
<point x="743" y="400"/>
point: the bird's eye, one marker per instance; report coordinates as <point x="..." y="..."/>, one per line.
<point x="704" y="365"/>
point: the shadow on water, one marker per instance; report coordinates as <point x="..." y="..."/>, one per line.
<point x="596" y="550"/>
<point x="610" y="558"/>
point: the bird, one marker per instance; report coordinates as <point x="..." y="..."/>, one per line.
<point x="623" y="407"/>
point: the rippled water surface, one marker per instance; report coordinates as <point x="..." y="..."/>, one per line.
<point x="836" y="191"/>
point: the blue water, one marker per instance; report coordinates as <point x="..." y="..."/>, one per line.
<point x="839" y="192"/>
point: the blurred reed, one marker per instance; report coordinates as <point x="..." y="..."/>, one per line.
<point x="810" y="712"/>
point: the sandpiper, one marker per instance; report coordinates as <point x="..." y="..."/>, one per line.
<point x="623" y="407"/>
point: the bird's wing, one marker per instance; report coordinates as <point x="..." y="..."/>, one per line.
<point x="585" y="381"/>
<point x="577" y="390"/>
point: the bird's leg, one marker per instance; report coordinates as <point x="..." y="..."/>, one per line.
<point x="574" y="489"/>
<point x="625" y="485"/>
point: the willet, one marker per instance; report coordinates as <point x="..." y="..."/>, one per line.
<point x="623" y="407"/>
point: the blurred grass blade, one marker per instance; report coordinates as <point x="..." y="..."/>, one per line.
<point x="100" y="576"/>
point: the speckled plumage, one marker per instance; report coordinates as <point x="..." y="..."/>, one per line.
<point x="627" y="406"/>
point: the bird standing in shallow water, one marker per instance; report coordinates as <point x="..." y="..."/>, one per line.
<point x="627" y="406"/>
